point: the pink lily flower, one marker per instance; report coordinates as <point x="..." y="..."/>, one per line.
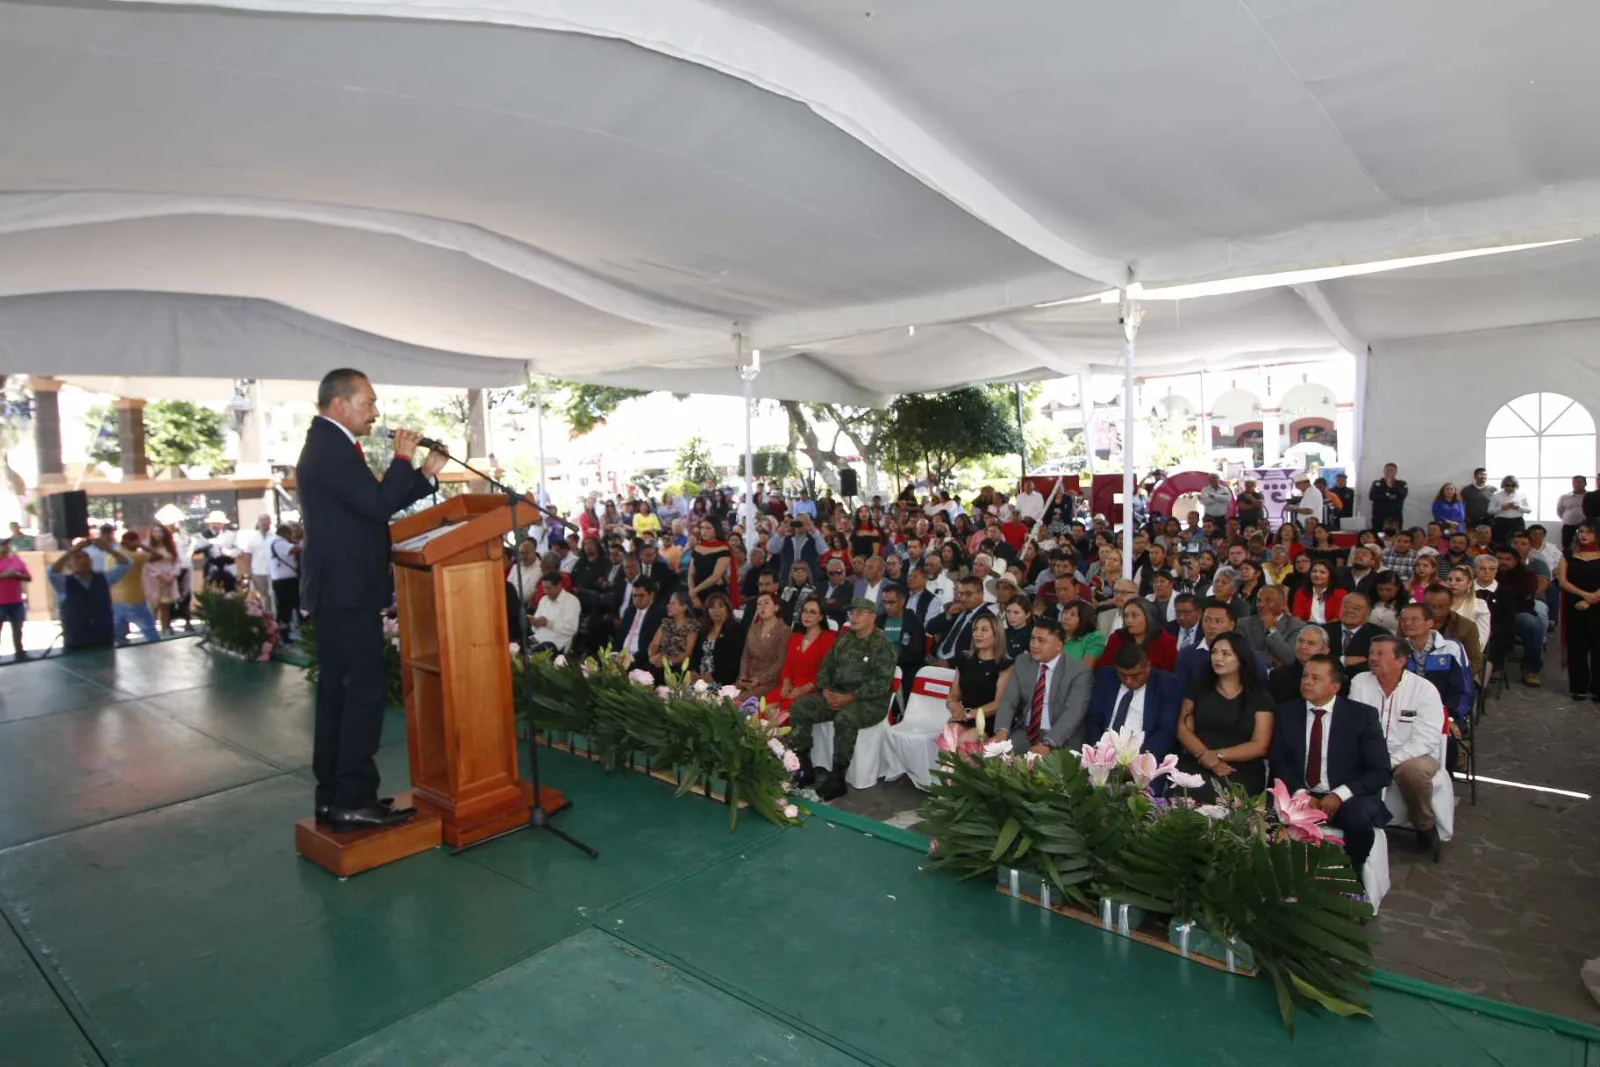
<point x="1297" y="814"/>
<point x="1099" y="760"/>
<point x="1144" y="769"/>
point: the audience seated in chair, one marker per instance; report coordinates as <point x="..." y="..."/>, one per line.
<point x="1413" y="718"/>
<point x="1046" y="699"/>
<point x="853" y="687"/>
<point x="1333" y="747"/>
<point x="1131" y="694"/>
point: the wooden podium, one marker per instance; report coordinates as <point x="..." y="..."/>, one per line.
<point x="456" y="674"/>
<point x="456" y="667"/>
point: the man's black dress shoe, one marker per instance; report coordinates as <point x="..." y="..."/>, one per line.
<point x="373" y="817"/>
<point x="324" y="809"/>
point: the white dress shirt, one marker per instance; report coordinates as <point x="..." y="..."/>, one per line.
<point x="1508" y="504"/>
<point x="1135" y="719"/>
<point x="1320" y="786"/>
<point x="1192" y="636"/>
<point x="1049" y="680"/>
<point x="1412" y="715"/>
<point x="1319" y="609"/>
<point x="1030" y="505"/>
<point x="1569" y="508"/>
<point x="631" y="642"/>
<point x="342" y="429"/>
<point x="943" y="588"/>
<point x="1312" y="499"/>
<point x="560" y="612"/>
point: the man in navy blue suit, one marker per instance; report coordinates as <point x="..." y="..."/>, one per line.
<point x="1132" y="693"/>
<point x="345" y="583"/>
<point x="1334" y="748"/>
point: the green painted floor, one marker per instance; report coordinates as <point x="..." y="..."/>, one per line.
<point x="155" y="913"/>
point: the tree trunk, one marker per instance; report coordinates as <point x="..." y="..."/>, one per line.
<point x="824" y="461"/>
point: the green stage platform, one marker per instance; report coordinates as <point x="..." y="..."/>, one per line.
<point x="156" y="913"/>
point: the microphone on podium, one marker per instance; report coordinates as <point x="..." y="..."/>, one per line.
<point x="425" y="442"/>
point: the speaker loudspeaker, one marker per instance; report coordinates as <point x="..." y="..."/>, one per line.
<point x="68" y="514"/>
<point x="847" y="482"/>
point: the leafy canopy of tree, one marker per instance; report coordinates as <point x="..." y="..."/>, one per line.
<point x="177" y="433"/>
<point x="945" y="430"/>
<point x="694" y="461"/>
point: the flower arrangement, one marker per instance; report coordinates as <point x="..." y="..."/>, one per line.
<point x="689" y="725"/>
<point x="238" y="624"/>
<point x="1097" y="824"/>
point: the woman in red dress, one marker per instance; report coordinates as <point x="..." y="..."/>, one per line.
<point x="802" y="662"/>
<point x="1139" y="624"/>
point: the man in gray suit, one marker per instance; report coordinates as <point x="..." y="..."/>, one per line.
<point x="1271" y="630"/>
<point x="1047" y="697"/>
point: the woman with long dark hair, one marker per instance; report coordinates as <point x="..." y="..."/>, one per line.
<point x="710" y="566"/>
<point x="1389" y="595"/>
<point x="718" y="646"/>
<point x="1578" y="574"/>
<point x="865" y="537"/>
<point x="1139" y="624"/>
<point x="802" y="661"/>
<point x="1225" y="725"/>
<point x="1319" y="600"/>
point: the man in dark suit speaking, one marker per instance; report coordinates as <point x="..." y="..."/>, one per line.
<point x="346" y="584"/>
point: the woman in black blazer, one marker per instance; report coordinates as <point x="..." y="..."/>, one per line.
<point x="716" y="652"/>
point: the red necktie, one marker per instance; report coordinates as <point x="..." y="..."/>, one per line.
<point x="360" y="450"/>
<point x="1036" y="710"/>
<point x="1314" y="750"/>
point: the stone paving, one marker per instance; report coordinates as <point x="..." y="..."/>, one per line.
<point x="1512" y="909"/>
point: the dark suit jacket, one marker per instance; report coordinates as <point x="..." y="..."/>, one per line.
<point x="1358" y="756"/>
<point x="647" y="631"/>
<point x="1162" y="699"/>
<point x="913" y="651"/>
<point x="836" y="601"/>
<point x="346" y="510"/>
<point x="1345" y="578"/>
<point x="666" y="579"/>
<point x="1360" y="643"/>
<point x="724" y="657"/>
<point x="940" y="627"/>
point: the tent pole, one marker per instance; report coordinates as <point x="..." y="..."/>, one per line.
<point x="538" y="407"/>
<point x="1086" y="413"/>
<point x="1131" y="314"/>
<point x="748" y="373"/>
<point x="1021" y="436"/>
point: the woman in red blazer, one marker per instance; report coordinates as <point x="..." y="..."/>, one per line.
<point x="1139" y="624"/>
<point x="1320" y="601"/>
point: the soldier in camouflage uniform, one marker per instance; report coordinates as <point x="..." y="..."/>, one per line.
<point x="853" y="686"/>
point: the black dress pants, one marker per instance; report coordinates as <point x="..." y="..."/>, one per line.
<point x="1359" y="818"/>
<point x="1583" y="650"/>
<point x="350" y="703"/>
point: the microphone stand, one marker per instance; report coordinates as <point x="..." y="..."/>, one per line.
<point x="538" y="818"/>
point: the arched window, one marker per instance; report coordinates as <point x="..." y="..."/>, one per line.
<point x="1542" y="439"/>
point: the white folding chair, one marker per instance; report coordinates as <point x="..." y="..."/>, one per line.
<point x="1444" y="797"/>
<point x="1375" y="872"/>
<point x="870" y="759"/>
<point x="912" y="744"/>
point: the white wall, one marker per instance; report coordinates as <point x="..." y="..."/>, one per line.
<point x="1428" y="400"/>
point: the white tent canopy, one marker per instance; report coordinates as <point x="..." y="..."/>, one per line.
<point x="458" y="192"/>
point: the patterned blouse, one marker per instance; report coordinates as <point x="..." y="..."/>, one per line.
<point x="676" y="640"/>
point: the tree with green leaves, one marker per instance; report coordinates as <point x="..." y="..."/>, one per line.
<point x="177" y="433"/>
<point x="694" y="461"/>
<point x="947" y="429"/>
